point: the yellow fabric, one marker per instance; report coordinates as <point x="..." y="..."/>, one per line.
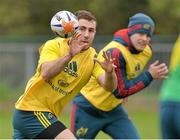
<point x="96" y="94"/>
<point x="175" y="57"/>
<point x="52" y="95"/>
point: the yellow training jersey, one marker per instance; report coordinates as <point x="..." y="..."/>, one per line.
<point x="52" y="95"/>
<point x="175" y="57"/>
<point x="96" y="94"/>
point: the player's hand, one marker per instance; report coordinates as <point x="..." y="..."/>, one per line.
<point x="108" y="63"/>
<point x="75" y="45"/>
<point x="158" y="71"/>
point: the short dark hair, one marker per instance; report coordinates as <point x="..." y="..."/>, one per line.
<point x="83" y="14"/>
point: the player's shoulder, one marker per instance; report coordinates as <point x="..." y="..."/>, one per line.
<point x="57" y="40"/>
<point x="55" y="43"/>
<point x="92" y="49"/>
<point x="112" y="47"/>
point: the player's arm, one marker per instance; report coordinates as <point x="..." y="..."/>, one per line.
<point x="129" y="87"/>
<point x="108" y="79"/>
<point x="52" y="68"/>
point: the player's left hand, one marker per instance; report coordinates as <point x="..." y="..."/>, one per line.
<point x="108" y="63"/>
<point x="158" y="71"/>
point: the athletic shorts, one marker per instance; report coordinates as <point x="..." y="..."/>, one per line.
<point x="36" y="124"/>
<point x="170" y="119"/>
<point x="87" y="121"/>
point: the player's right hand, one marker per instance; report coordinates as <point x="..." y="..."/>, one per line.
<point x="75" y="45"/>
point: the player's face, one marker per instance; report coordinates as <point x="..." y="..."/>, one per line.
<point x="87" y="29"/>
<point x="140" y="40"/>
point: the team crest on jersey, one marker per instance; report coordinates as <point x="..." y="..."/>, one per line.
<point x="63" y="83"/>
<point x="81" y="132"/>
<point x="71" y="69"/>
<point x="137" y="67"/>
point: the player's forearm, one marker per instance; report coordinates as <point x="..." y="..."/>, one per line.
<point x="108" y="81"/>
<point x="53" y="68"/>
<point x="130" y="87"/>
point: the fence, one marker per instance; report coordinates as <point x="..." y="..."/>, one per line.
<point x="18" y="60"/>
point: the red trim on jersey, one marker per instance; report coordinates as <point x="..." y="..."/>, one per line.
<point x="73" y="112"/>
<point x="123" y="33"/>
<point x="121" y="85"/>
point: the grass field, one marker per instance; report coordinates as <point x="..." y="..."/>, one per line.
<point x="142" y="110"/>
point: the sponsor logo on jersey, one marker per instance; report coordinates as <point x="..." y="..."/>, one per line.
<point x="71" y="69"/>
<point x="58" y="89"/>
<point x="63" y="83"/>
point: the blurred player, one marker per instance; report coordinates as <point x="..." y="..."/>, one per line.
<point x="64" y="67"/>
<point x="95" y="108"/>
<point x="170" y="98"/>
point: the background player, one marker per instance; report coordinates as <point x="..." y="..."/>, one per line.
<point x="170" y="98"/>
<point x="102" y="110"/>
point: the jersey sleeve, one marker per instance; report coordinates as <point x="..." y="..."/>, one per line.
<point x="127" y="87"/>
<point x="48" y="52"/>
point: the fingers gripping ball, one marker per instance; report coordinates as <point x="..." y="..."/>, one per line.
<point x="64" y="24"/>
